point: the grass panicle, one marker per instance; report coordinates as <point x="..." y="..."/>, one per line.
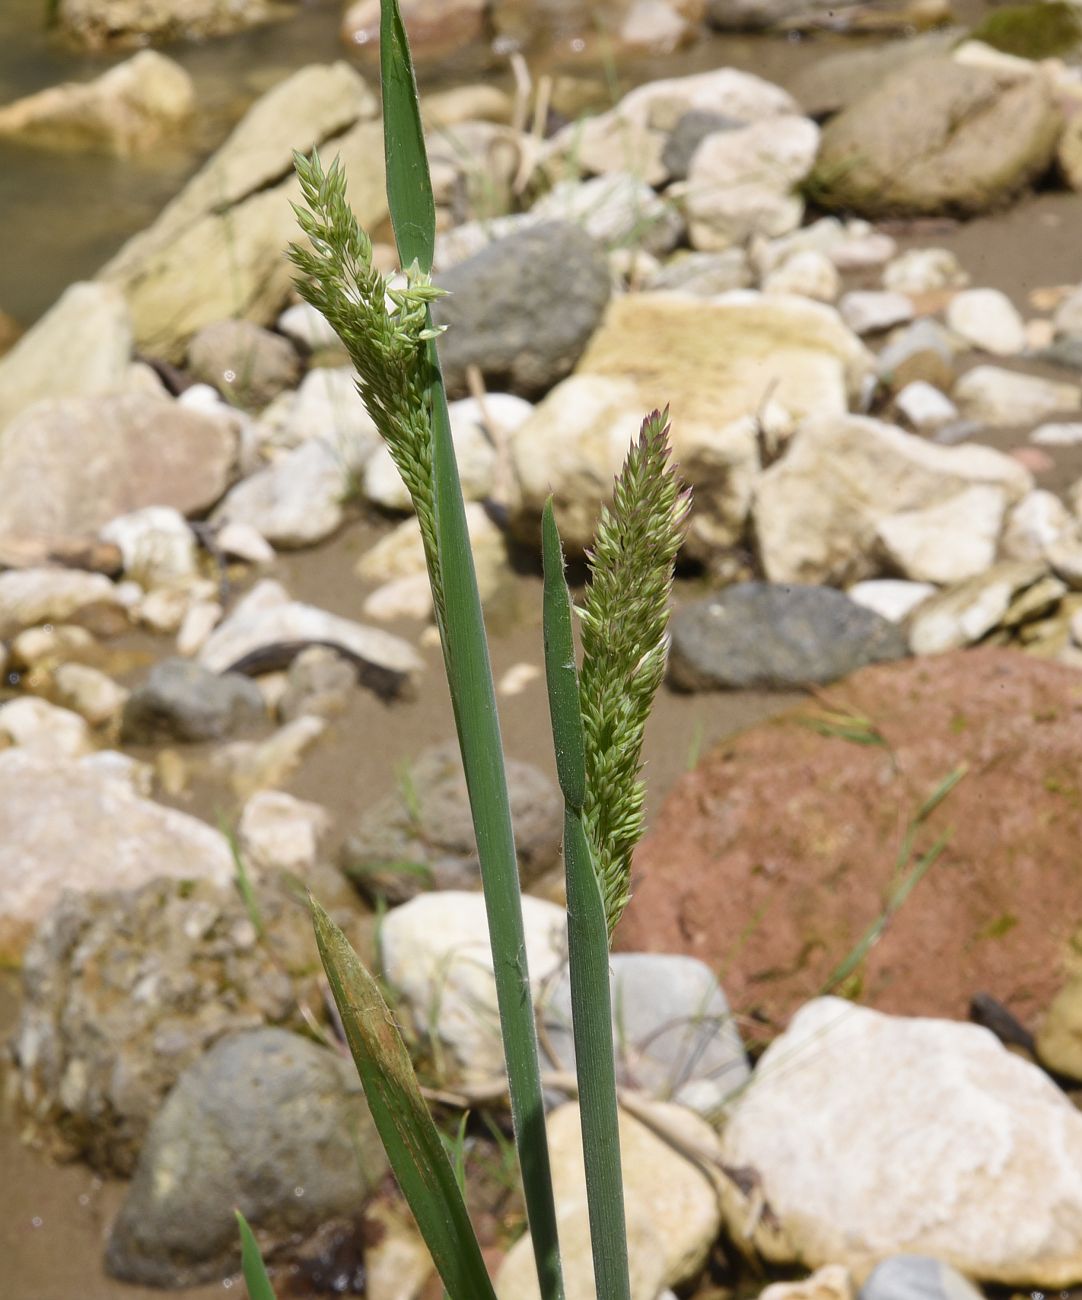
<point x="386" y="332"/>
<point x="587" y="941"/>
<point x="624" y="619"/>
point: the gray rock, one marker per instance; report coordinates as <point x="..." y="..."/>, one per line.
<point x="422" y="835"/>
<point x="182" y="700"/>
<point x="686" y="136"/>
<point x="758" y="634"/>
<point x="268" y="1123"/>
<point x="246" y="363"/>
<point x="124" y="989"/>
<point x="69" y="466"/>
<point x="675" y="1035"/>
<point x="523" y="309"/>
<point x="917" y="1277"/>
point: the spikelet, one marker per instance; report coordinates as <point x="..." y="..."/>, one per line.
<point x="624" y="619"/>
<point x="388" y="344"/>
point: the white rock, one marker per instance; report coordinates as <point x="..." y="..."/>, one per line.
<point x="516" y="679"/>
<point x="1038" y="522"/>
<point x="948" y="542"/>
<point x="280" y="833"/>
<point x="822" y="236"/>
<point x="83" y="824"/>
<point x="924" y="407"/>
<point x="250" y="766"/>
<point x="871" y="311"/>
<point x="893" y="598"/>
<point x="44" y="729"/>
<point x="297" y="500"/>
<point x="831" y="1282"/>
<point x="816" y="510"/>
<point x="475" y="451"/>
<point x="631" y="137"/>
<point x="32" y="596"/>
<point x="157" y="547"/>
<point x="864" y="249"/>
<point x="961" y="615"/>
<point x="924" y="270"/>
<point x="436" y="955"/>
<point x="307" y="327"/>
<point x="988" y="320"/>
<point x="1057" y="435"/>
<point x="741" y="183"/>
<point x="243" y="542"/>
<point x="406" y="597"/>
<point x="671" y="1208"/>
<point x="810" y="274"/>
<point x="80" y="347"/>
<point x="874" y="1135"/>
<point x="617" y="208"/>
<point x="328" y="406"/>
<point x="1002" y="398"/>
<point x="89" y="692"/>
<point x="266" y="616"/>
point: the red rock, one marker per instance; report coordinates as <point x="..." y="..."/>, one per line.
<point x="771" y="859"/>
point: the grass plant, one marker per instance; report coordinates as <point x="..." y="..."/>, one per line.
<point x="597" y="724"/>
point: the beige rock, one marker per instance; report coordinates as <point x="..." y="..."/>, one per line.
<point x="280" y="833"/>
<point x="817" y="510"/>
<point x="1002" y="398"/>
<point x="156" y="546"/>
<point x="250" y="766"/>
<point x="49" y="645"/>
<point x="81" y="346"/>
<point x="31" y="596"/>
<point x="1037" y="523"/>
<point x="89" y="692"/>
<point x="988" y="320"/>
<point x="71" y="466"/>
<point x="810" y="274"/>
<point x="963" y="614"/>
<point x="128" y="109"/>
<point x="670" y="1205"/>
<point x="875" y="1135"/>
<point x="44" y="729"/>
<point x="721" y="362"/>
<point x="98" y="23"/>
<point x="831" y="1282"/>
<point x="83" y="824"/>
<point x="227" y="228"/>
<point x="924" y="270"/>
<point x="1059" y="1035"/>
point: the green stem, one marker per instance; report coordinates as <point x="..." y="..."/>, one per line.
<point x="473" y="698"/>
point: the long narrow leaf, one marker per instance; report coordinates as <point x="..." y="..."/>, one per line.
<point x="469" y="674"/>
<point x="255" y="1275"/>
<point x="409" y="1136"/>
<point x="587" y="942"/>
<point x="409" y="184"/>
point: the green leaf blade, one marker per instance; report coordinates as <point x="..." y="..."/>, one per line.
<point x="251" y="1258"/>
<point x="409" y="1135"/>
<point x="409" y="184"/>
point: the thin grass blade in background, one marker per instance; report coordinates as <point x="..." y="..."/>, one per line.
<point x="255" y="1274"/>
<point x="410" y="1137"/>
<point x="469" y="673"/>
<point x="587" y="941"/>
